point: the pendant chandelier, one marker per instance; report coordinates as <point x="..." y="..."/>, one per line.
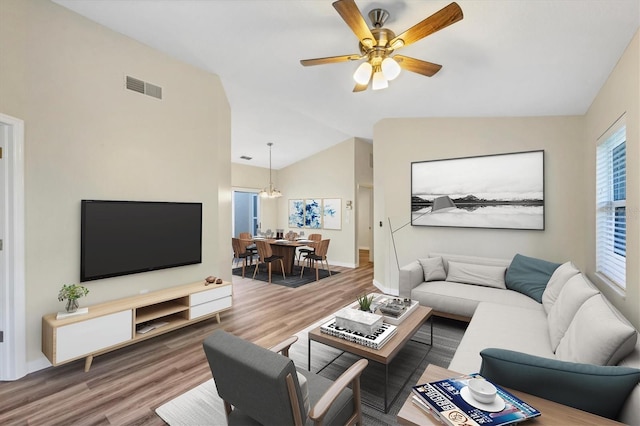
<point x="270" y="191"/>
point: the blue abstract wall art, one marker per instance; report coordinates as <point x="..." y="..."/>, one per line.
<point x="332" y="213"/>
<point x="296" y="213"/>
<point x="313" y="214"/>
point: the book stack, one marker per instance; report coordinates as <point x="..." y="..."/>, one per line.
<point x="375" y="340"/>
<point x="447" y="401"/>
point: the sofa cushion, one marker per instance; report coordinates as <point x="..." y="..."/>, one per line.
<point x="601" y="390"/>
<point x="597" y="335"/>
<point x="574" y="293"/>
<point x="462" y="299"/>
<point x="495" y="325"/>
<point x="557" y="281"/>
<point x="529" y="276"/>
<point x="468" y="273"/>
<point x="433" y="269"/>
<point x="476" y="260"/>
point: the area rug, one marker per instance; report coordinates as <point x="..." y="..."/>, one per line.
<point x="292" y="280"/>
<point x="202" y="406"/>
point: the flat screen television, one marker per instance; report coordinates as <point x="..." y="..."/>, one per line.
<point x="127" y="237"/>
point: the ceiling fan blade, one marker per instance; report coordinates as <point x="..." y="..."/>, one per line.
<point x="329" y="60"/>
<point x="441" y="19"/>
<point x="416" y="65"/>
<point x="360" y="87"/>
<point x="349" y="11"/>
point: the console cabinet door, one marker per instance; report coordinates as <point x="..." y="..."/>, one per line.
<point x="87" y="337"/>
<point x="210" y="301"/>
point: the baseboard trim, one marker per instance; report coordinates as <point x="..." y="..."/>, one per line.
<point x="385" y="290"/>
<point x="343" y="264"/>
<point x="38" y="364"/>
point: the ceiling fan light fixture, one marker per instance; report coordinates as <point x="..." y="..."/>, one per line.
<point x="379" y="82"/>
<point x="363" y="73"/>
<point x="390" y="68"/>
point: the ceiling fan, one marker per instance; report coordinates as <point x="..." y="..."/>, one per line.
<point x="377" y="44"/>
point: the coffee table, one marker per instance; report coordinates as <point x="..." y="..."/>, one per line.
<point x="552" y="412"/>
<point x="387" y="353"/>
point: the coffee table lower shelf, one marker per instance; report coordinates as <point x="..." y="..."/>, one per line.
<point x="404" y="333"/>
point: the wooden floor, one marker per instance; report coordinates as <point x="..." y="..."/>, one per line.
<point x="124" y="387"/>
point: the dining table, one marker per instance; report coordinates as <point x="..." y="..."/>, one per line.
<point x="286" y="249"/>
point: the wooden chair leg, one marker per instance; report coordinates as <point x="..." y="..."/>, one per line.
<point x="282" y="266"/>
<point x="270" y="272"/>
<point x="317" y="276"/>
<point x="301" y="271"/>
<point x="244" y="265"/>
<point x="255" y="270"/>
<point x="328" y="269"/>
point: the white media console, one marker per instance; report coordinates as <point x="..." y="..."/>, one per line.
<point x="112" y="325"/>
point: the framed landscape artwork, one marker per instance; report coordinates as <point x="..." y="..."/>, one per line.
<point x="332" y="213"/>
<point x="503" y="191"/>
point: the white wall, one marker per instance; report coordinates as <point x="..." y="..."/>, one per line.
<point x="620" y="94"/>
<point x="398" y="142"/>
<point x="89" y="138"/>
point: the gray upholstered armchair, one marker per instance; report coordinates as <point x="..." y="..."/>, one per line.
<point x="262" y="387"/>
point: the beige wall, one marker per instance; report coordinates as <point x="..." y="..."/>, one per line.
<point x="349" y="166"/>
<point x="398" y="142"/>
<point x="86" y="137"/>
<point x="328" y="174"/>
<point x="363" y="210"/>
<point x="620" y="94"/>
<point x="569" y="144"/>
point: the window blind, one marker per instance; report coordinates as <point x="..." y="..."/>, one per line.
<point x="611" y="197"/>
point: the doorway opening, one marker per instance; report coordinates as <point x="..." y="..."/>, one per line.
<point x="246" y="212"/>
<point x="13" y="362"/>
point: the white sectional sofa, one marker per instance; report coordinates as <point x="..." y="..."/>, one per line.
<point x="561" y="318"/>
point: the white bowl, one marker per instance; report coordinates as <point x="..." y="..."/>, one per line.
<point x="482" y="390"/>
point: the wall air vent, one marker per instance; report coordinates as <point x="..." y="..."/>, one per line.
<point x="143" y="87"/>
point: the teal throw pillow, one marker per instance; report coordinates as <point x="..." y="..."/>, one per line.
<point x="529" y="276"/>
<point x="600" y="390"/>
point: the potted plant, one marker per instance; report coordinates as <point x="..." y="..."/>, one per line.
<point x="71" y="293"/>
<point x="365" y="302"/>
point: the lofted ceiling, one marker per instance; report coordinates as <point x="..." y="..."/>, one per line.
<point x="505" y="58"/>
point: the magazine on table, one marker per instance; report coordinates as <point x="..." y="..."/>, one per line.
<point x="448" y="400"/>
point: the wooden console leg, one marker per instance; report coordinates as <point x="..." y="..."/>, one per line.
<point x="218" y="318"/>
<point x="87" y="363"/>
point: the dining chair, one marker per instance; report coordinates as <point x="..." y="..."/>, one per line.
<point x="260" y="386"/>
<point x="310" y="248"/>
<point x="251" y="247"/>
<point x="266" y="256"/>
<point x="319" y="255"/>
<point x="240" y="252"/>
